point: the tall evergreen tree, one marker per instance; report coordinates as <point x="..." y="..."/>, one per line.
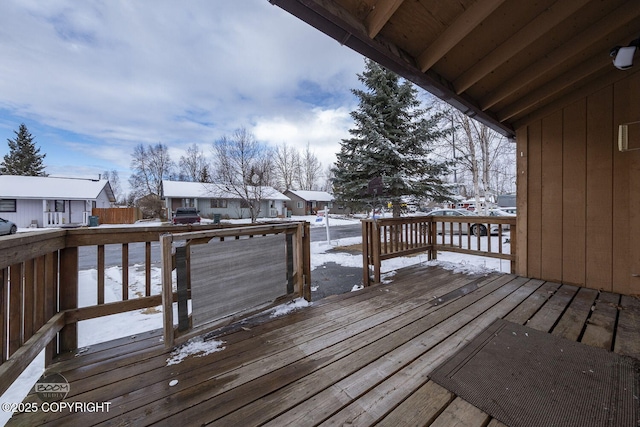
<point x="23" y="158"/>
<point x="388" y="154"/>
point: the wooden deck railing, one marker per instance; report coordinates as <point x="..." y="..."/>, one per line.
<point x="388" y="238"/>
<point x="39" y="289"/>
<point x="297" y="260"/>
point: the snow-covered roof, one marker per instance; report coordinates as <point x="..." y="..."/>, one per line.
<point x="47" y="187"/>
<point x="313" y="196"/>
<point x="204" y="190"/>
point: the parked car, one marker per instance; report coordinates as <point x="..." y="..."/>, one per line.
<point x="475" y="228"/>
<point x="510" y="210"/>
<point x="502" y="213"/>
<point x="7" y="227"/>
<point x="186" y="216"/>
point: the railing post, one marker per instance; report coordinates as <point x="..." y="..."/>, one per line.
<point x="288" y="241"/>
<point x="306" y="267"/>
<point x="513" y="232"/>
<point x="69" y="296"/>
<point x="365" y="252"/>
<point x="167" y="289"/>
<point x="433" y="233"/>
<point x="375" y="235"/>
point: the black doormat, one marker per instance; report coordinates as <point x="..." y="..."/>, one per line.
<point x="524" y="377"/>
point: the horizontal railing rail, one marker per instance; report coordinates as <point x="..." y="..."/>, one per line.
<point x="386" y="238"/>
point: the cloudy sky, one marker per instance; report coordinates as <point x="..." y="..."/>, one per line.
<point x="91" y="79"/>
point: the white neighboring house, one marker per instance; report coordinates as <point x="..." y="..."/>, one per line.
<point x="212" y="199"/>
<point x="38" y="201"/>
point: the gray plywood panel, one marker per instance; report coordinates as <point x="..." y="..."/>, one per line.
<point x="236" y="275"/>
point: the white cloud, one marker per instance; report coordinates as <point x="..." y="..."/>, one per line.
<point x="322" y="129"/>
<point x="119" y="73"/>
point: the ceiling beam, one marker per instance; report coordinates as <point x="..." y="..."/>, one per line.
<point x="380" y="15"/>
<point x="535" y="29"/>
<point x="565" y="52"/>
<point x="455" y="32"/>
<point x="571" y="78"/>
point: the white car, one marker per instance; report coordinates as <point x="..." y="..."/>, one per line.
<point x="502" y="213"/>
<point x="509" y="210"/>
<point x="475" y="228"/>
<point x="7" y="227"/>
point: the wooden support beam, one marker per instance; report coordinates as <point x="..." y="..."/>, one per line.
<point x="564" y="53"/>
<point x="568" y="80"/>
<point x="528" y="35"/>
<point x="604" y="79"/>
<point x="455" y="32"/>
<point x="380" y="15"/>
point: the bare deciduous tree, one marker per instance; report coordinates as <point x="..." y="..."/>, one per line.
<point x="149" y="166"/>
<point x="287" y="160"/>
<point x="484" y="160"/>
<point x="194" y="166"/>
<point x="243" y="167"/>
<point x="310" y="170"/>
<point x="328" y="179"/>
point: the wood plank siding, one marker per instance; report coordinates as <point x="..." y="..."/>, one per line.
<point x="361" y="358"/>
<point x="580" y="196"/>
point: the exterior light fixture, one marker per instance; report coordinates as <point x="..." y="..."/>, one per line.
<point x="623" y="55"/>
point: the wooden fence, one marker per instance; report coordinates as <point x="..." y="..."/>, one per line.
<point x="388" y="238"/>
<point x="117" y="215"/>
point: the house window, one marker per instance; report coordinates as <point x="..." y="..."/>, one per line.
<point x="218" y="203"/>
<point x="7" y="205"/>
<point x="244" y="204"/>
<point x="59" y="205"/>
<point x="188" y="203"/>
<point x="299" y="205"/>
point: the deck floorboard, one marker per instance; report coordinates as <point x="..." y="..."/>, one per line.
<point x="362" y="358"/>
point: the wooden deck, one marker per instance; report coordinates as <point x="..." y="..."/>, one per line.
<point x="362" y="358"/>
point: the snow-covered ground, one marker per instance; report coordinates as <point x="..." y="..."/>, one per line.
<point x="131" y="323"/>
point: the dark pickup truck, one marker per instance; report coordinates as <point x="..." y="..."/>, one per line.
<point x="186" y="216"/>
